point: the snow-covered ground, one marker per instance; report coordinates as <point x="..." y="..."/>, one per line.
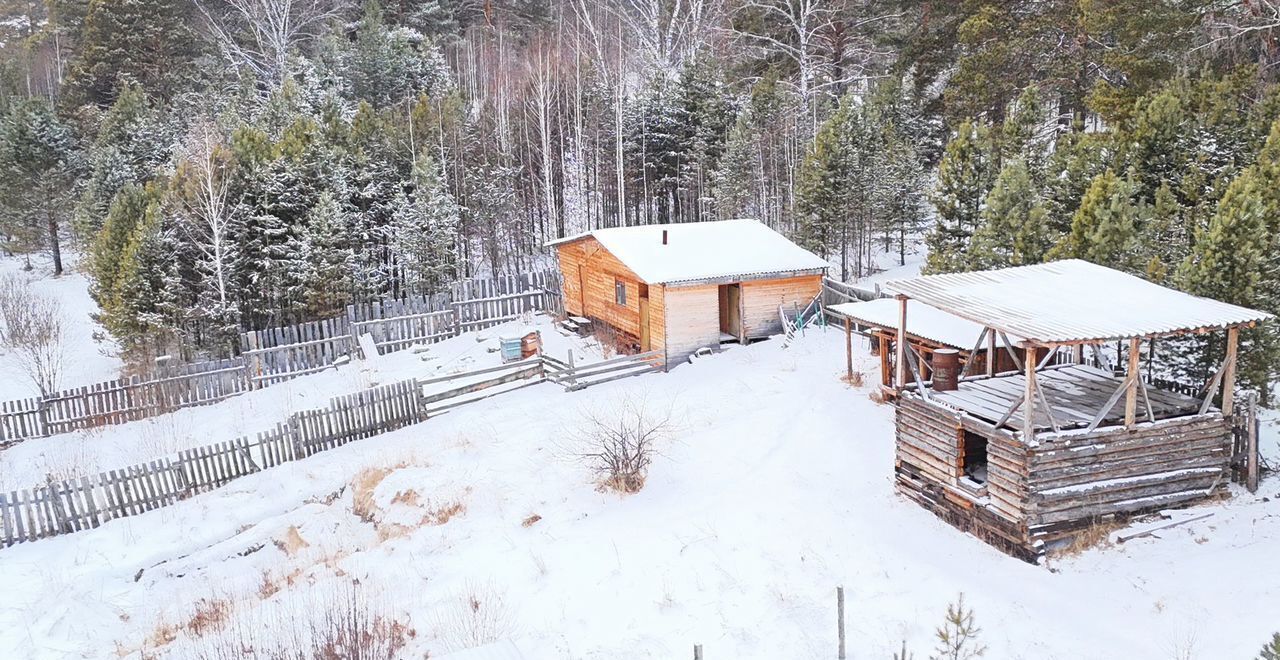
<point x="94" y="450"/>
<point x="775" y="487"/>
<point x="90" y="356"/>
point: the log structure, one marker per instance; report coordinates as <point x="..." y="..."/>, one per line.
<point x="676" y="289"/>
<point x="1029" y="458"/>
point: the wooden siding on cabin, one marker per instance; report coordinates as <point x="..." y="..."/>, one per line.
<point x="761" y="298"/>
<point x="658" y="319"/>
<point x="586" y="265"/>
<point x="692" y="316"/>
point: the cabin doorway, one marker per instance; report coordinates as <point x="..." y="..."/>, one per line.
<point x="646" y="340"/>
<point x="975" y="456"/>
<point x="731" y="312"/>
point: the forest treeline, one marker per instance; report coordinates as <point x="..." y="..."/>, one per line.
<point x="231" y="164"/>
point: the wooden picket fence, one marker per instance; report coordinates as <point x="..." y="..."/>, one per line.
<point x="286" y="352"/>
<point x="276" y="354"/>
<point x="122" y="400"/>
<point x="80" y="503"/>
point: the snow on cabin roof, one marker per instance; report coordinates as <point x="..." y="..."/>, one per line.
<point x="923" y="321"/>
<point x="703" y="251"/>
<point x="1071" y="301"/>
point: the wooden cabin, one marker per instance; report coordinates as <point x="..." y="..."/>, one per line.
<point x="1030" y="458"/>
<point x="929" y="329"/>
<point x="677" y="288"/>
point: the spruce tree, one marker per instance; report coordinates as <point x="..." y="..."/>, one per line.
<point x="823" y="191"/>
<point x="733" y="184"/>
<point x="965" y="177"/>
<point x="327" y="259"/>
<point x="425" y="233"/>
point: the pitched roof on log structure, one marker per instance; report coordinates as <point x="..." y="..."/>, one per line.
<point x="1071" y="302"/>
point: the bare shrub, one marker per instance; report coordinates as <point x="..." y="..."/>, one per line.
<point x="31" y="327"/>
<point x="344" y="625"/>
<point x="618" y="443"/>
<point x="479" y="615"/>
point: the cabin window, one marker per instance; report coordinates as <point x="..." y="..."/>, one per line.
<point x="620" y="292"/>
<point x="975" y="456"/>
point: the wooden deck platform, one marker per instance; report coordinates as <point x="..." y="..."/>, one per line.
<point x="1075" y="393"/>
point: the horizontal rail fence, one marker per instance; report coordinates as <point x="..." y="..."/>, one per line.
<point x="80" y="503"/>
<point x="276" y="354"/>
<point x="575" y="377"/>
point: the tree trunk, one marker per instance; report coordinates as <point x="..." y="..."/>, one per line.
<point x="54" y="248"/>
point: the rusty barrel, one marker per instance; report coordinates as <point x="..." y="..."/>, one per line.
<point x="946" y="369"/>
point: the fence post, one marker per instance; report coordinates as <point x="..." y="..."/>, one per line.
<point x="1251" y="442"/>
<point x="840" y="619"/>
<point x="697" y="652"/>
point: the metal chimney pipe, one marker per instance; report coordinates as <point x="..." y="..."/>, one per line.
<point x="664" y="237"/>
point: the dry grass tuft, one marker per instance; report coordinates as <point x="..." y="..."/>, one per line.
<point x="292" y="541"/>
<point x="530" y="521"/>
<point x="1089" y="538"/>
<point x="268" y="587"/>
<point x="209" y="616"/>
<point x="877" y="396"/>
<point x="857" y="379"/>
<point x="443" y="513"/>
<point x="362" y="487"/>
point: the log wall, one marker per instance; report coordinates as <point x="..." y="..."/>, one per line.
<point x="1062" y="483"/>
<point x="589" y="272"/>
<point x="1076" y="478"/>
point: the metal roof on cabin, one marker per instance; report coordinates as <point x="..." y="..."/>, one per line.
<point x="1071" y="301"/>
<point x="697" y="251"/>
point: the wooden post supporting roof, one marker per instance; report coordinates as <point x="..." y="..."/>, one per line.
<point x="848" y="349"/>
<point x="1028" y="409"/>
<point x="1131" y="392"/>
<point x="902" y="343"/>
<point x="1229" y="377"/>
<point x="991" y="351"/>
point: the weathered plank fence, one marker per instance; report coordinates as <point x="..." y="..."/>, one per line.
<point x="79" y="503"/>
<point x="123" y="400"/>
<point x="276" y="354"/>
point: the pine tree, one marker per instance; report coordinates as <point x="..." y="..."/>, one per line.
<point x="1076" y="159"/>
<point x="1271" y="650"/>
<point x="37" y="172"/>
<point x="147" y="42"/>
<point x="1235" y="260"/>
<point x="1105" y="228"/>
<point x="1014" y="230"/>
<point x="965" y="177"/>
